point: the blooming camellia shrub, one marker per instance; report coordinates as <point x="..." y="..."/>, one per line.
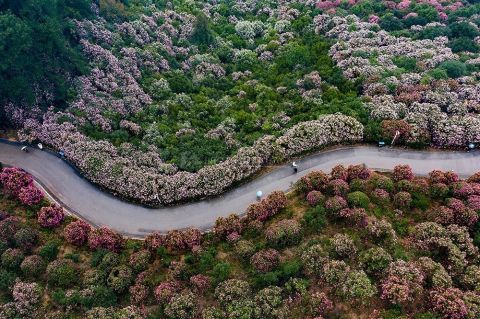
<point x="314" y="198"/>
<point x="77" y="232"/>
<point x="267" y="207"/>
<point x="401" y="172"/>
<point x="165" y="291"/>
<point x="14" y="179"/>
<point x="265" y="260"/>
<point x="106" y="238"/>
<point x="50" y="216"/>
<point x="209" y="180"/>
<point x="343" y="246"/>
<point x="30" y="195"/>
<point x="18" y="183"/>
<point x="402" y="199"/>
<point x="449" y="303"/>
<point x="285" y="232"/>
<point x="403" y="283"/>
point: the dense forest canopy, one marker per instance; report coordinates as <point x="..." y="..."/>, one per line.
<point x="38" y="55"/>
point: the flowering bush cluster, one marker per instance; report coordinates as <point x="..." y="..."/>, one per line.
<point x="105" y="238"/>
<point x="267" y="207"/>
<point x="285" y="232"/>
<point x="403" y="283"/>
<point x="140" y="181"/>
<point x="77" y="232"/>
<point x="293" y="259"/>
<point x="413" y="100"/>
<point x="19" y="184"/>
<point x="175" y="240"/>
<point x="151" y="99"/>
<point x="50" y="216"/>
<point x="265" y="260"/>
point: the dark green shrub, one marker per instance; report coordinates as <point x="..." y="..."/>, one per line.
<point x="221" y="271"/>
<point x="7" y="279"/>
<point x="12" y="258"/>
<point x="102" y="297"/>
<point x="401" y="226"/>
<point x="266" y="279"/>
<point x="463" y="44"/>
<point x="73" y="257"/>
<point x="62" y="273"/>
<point x="476" y="238"/>
<point x="49" y="251"/>
<point x="420" y="201"/>
<point x="374" y="260"/>
<point x="438" y="74"/>
<point x="425" y="315"/>
<point x="207" y="260"/>
<point x="358" y="185"/>
<point x="314" y="219"/>
<point x="97" y="257"/>
<point x="407" y="63"/>
<point x="289" y="269"/>
<point x="358" y="199"/>
<point x="454" y="69"/>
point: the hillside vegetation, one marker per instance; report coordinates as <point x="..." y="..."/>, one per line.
<point x="349" y="244"/>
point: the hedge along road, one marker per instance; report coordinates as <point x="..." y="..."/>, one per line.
<point x="82" y="198"/>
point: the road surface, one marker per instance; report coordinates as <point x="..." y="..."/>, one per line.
<point x="82" y="198"/>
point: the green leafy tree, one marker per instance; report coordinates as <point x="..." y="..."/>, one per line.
<point x="202" y="33"/>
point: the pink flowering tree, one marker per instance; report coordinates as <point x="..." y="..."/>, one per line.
<point x="401" y="172"/>
<point x="30" y="195"/>
<point x="105" y="238"/>
<point x="265" y="260"/>
<point x="13" y="179"/>
<point x="76" y="233"/>
<point x="166" y="290"/>
<point x="403" y="283"/>
<point x="50" y="216"/>
<point x="448" y="303"/>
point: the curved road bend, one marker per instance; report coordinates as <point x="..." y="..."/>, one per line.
<point x="100" y="208"/>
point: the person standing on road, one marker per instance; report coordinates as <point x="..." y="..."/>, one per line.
<point x="295" y="167"/>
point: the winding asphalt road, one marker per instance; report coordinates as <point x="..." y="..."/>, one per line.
<point x="85" y="200"/>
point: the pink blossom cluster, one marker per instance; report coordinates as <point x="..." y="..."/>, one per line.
<point x="51" y="216"/>
<point x="401" y="172"/>
<point x="265" y="260"/>
<point x="449" y="303"/>
<point x="403" y="283"/>
<point x="166" y="290"/>
<point x="174" y="240"/>
<point x="267" y="207"/>
<point x="77" y="232"/>
<point x="105" y="238"/>
<point x="314" y="197"/>
<point x="26" y="301"/>
<point x="453" y="240"/>
<point x="200" y="282"/>
<point x="18" y="183"/>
